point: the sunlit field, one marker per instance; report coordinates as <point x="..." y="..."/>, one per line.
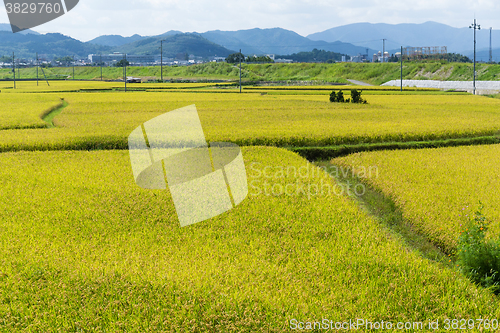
<point x="83" y="248"/>
<point x="436" y="188"/>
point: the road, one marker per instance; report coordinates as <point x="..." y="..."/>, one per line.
<point x="359" y="83"/>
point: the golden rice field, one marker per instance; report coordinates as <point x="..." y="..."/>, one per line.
<point x="436" y="188"/>
<point x="70" y="86"/>
<point x="96" y="119"/>
<point x="25" y="112"/>
<point x="84" y="249"/>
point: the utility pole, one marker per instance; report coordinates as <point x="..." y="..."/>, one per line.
<point x="401" y="68"/>
<point x="161" y="59"/>
<point x="37" y="69"/>
<point x="239" y="56"/>
<point x="14" y="68"/>
<point x="73" y="67"/>
<point x="125" y="70"/>
<point x="100" y="63"/>
<point x="491" y="50"/>
<point x="383" y="52"/>
<point x="475" y="27"/>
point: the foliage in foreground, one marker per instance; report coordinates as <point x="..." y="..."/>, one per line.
<point x="479" y="258"/>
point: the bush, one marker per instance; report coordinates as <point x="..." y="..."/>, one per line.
<point x="333" y="97"/>
<point x="479" y="258"/>
<point x="356" y="97"/>
<point x="339" y="97"/>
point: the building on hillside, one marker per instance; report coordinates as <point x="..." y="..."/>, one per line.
<point x="378" y="57"/>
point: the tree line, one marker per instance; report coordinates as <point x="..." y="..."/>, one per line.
<point x="236" y="57"/>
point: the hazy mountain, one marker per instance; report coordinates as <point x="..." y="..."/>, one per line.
<point x="6" y="27"/>
<point x="458" y="40"/>
<point x="277" y="41"/>
<point x="114" y="40"/>
<point x="48" y="45"/>
<point x="228" y="41"/>
<point x="190" y="43"/>
<point x="118" y="40"/>
<point x="484" y="55"/>
<point x="350" y="39"/>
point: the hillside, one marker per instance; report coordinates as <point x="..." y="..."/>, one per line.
<point x="371" y="73"/>
<point x="174" y="45"/>
<point x="49" y="45"/>
<point x="115" y="40"/>
<point x="118" y="40"/>
<point x="58" y="45"/>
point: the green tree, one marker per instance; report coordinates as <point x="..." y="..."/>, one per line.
<point x="122" y="63"/>
<point x="5" y="59"/>
<point x="356" y="97"/>
<point x="333" y="97"/>
<point x="340" y="97"/>
<point x="235" y="58"/>
<point x="64" y="61"/>
<point x="314" y="56"/>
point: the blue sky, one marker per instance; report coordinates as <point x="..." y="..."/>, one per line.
<point x="92" y="18"/>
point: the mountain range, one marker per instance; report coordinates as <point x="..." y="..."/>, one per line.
<point x="457" y="40"/>
<point x="349" y="39"/>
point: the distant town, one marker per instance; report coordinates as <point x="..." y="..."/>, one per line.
<point x="190" y="59"/>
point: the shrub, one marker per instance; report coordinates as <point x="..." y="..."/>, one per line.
<point x="333" y="97"/>
<point x="479" y="258"/>
<point x="339" y="97"/>
<point x="356" y="97"/>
